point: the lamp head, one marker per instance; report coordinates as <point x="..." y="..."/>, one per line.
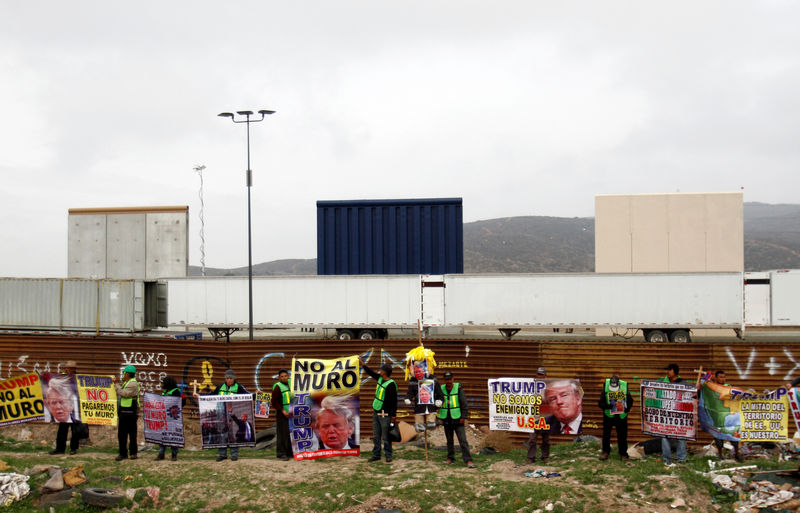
<point x="245" y="112"/>
<point x="225" y="114"/>
<point x="265" y="112"/>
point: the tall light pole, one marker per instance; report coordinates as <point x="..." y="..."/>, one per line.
<point x="199" y="170"/>
<point x="249" y="175"/>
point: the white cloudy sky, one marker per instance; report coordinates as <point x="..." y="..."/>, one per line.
<point x="519" y="107"/>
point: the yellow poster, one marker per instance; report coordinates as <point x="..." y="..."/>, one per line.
<point x="764" y="420"/>
<point x="21" y="399"/>
<point x="98" y="399"/>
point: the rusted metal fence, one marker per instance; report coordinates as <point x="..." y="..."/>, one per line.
<point x="759" y="366"/>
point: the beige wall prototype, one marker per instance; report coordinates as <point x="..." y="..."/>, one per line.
<point x="678" y="232"/>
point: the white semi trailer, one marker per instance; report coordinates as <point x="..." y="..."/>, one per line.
<point x="663" y="306"/>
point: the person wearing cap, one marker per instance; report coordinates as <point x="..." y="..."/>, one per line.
<point x="541" y="373"/>
<point x="615" y="401"/>
<point x="673" y="376"/>
<point x="75" y="424"/>
<point x="128" y="409"/>
<point x="453" y="414"/>
<point x="170" y="387"/>
<point x="281" y="400"/>
<point x="384" y="410"/>
<point x="229" y="387"/>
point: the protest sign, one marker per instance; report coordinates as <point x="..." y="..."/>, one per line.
<point x="794" y="405"/>
<point x="669" y="409"/>
<point x="764" y="420"/>
<point x="263" y="400"/>
<point x="325" y="408"/>
<point x="163" y="419"/>
<point x="226" y="420"/>
<point x="98" y="399"/>
<point x="425" y="391"/>
<point x="60" y="396"/>
<point x="528" y="404"/>
<point x="21" y="399"/>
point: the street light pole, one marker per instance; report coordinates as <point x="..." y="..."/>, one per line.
<point x="249" y="178"/>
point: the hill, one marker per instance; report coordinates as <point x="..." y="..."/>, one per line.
<point x="538" y="244"/>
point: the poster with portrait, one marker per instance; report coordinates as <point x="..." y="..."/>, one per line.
<point x="425" y="391"/>
<point x="263" y="401"/>
<point x="98" y="399"/>
<point x="325" y="408"/>
<point x="227" y="421"/>
<point x="163" y="419"/>
<point x="669" y="409"/>
<point x="532" y="404"/>
<point x="60" y="395"/>
<point x="21" y="399"/>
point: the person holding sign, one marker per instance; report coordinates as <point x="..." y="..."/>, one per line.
<point x="384" y="410"/>
<point x="60" y="403"/>
<point x="616" y="401"/>
<point x="541" y="373"/>
<point x="229" y="387"/>
<point x="128" y="409"/>
<point x="281" y="398"/>
<point x="170" y="387"/>
<point x="720" y="378"/>
<point x="672" y="376"/>
<point x="453" y="414"/>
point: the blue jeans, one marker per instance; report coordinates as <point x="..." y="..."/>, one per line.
<point x="162" y="449"/>
<point x="666" y="450"/>
<point x="380" y="432"/>
<point x="223" y="451"/>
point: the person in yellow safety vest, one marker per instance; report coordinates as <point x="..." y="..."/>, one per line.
<point x="616" y="401"/>
<point x="281" y="399"/>
<point x="128" y="410"/>
<point x="453" y="414"/>
<point x="384" y="410"/>
<point x="229" y="387"/>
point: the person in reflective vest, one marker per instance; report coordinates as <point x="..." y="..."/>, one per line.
<point x="616" y="401"/>
<point x="453" y="414"/>
<point x="169" y="387"/>
<point x="384" y="410"/>
<point x="128" y="412"/>
<point x="229" y="387"/>
<point x="281" y="399"/>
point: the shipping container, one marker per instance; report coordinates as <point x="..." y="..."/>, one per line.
<point x="75" y="304"/>
<point x="404" y="236"/>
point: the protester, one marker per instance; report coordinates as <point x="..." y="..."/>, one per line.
<point x="720" y="378"/>
<point x="384" y="410"/>
<point x="541" y="373"/>
<point x="128" y="409"/>
<point x="334" y="423"/>
<point x="61" y="403"/>
<point x="281" y="398"/>
<point x="169" y="387"/>
<point x="229" y="387"/>
<point x="673" y="376"/>
<point x="425" y="406"/>
<point x="453" y="414"/>
<point x="616" y="401"/>
<point x="565" y="399"/>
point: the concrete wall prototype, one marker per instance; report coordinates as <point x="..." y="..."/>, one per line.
<point x="678" y="232"/>
<point x="145" y="243"/>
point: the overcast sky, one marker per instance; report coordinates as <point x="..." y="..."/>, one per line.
<point x="520" y="108"/>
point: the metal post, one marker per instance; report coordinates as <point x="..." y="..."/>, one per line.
<point x="249" y="179"/>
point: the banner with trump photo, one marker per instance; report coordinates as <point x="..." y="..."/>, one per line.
<point x="530" y="404"/>
<point x="98" y="399"/>
<point x="325" y="408"/>
<point x="227" y="421"/>
<point x="61" y="400"/>
<point x="163" y="419"/>
<point x="21" y="399"/>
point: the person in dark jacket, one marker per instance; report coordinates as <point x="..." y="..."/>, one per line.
<point x="229" y="387"/>
<point x="615" y="401"/>
<point x="169" y="387"/>
<point x="128" y="409"/>
<point x="70" y="368"/>
<point x="280" y="403"/>
<point x="384" y="410"/>
<point x="453" y="414"/>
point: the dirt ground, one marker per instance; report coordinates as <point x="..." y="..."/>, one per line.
<point x="611" y="496"/>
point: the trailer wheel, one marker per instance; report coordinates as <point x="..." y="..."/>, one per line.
<point x="345" y="334"/>
<point x="366" y="335"/>
<point x="679" y="336"/>
<point x="656" y="336"/>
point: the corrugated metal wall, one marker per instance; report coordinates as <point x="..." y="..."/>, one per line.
<point x="416" y="236"/>
<point x="757" y="365"/>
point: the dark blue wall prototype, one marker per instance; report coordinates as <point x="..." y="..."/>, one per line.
<point x="416" y="236"/>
